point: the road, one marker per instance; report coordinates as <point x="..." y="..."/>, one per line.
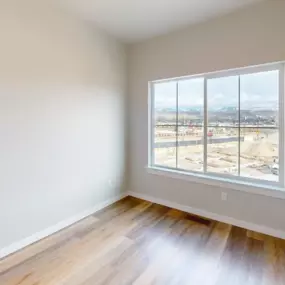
<point x="196" y="142"/>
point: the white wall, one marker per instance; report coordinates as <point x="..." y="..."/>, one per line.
<point x="247" y="37"/>
<point x="62" y="96"/>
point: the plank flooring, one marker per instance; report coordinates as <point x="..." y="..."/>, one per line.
<point x="138" y="242"/>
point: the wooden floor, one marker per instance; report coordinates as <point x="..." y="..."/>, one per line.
<point x="137" y="242"/>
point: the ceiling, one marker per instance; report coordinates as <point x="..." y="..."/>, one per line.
<point x="136" y="20"/>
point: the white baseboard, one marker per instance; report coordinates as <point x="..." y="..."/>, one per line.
<point x="57" y="227"/>
<point x="203" y="213"/>
<point x="66" y="223"/>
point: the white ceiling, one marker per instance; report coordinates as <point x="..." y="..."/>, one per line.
<point x="135" y="20"/>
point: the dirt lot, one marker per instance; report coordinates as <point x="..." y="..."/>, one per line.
<point x="258" y="153"/>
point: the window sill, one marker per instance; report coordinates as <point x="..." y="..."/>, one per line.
<point x="253" y="188"/>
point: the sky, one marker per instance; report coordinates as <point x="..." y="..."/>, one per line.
<point x="258" y="90"/>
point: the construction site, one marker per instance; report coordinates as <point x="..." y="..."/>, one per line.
<point x="255" y="149"/>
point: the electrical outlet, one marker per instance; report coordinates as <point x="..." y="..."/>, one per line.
<point x="111" y="183"/>
<point x="224" y="196"/>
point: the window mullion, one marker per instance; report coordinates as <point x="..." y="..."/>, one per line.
<point x="151" y="124"/>
<point x="176" y="154"/>
<point x="205" y="124"/>
<point x="239" y="126"/>
<point x="281" y="126"/>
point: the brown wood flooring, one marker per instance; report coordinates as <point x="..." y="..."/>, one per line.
<point x="138" y="242"/>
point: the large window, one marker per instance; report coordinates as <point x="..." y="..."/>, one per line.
<point x="225" y="124"/>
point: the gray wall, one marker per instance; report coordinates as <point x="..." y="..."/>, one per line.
<point x="62" y="97"/>
<point x="251" y="36"/>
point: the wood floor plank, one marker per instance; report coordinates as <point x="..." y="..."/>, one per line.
<point x="210" y="255"/>
<point x="48" y="244"/>
<point x="137" y="242"/>
<point x="273" y="272"/>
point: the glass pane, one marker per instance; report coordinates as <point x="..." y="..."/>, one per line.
<point x="165" y="105"/>
<point x="222" y="152"/>
<point x="259" y="99"/>
<point x="259" y="104"/>
<point x="190" y="148"/>
<point x="191" y="102"/>
<point x="165" y="146"/>
<point x="223" y="99"/>
<point x="259" y="157"/>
